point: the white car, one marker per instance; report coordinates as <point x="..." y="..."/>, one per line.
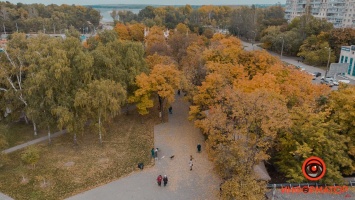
<point x="335" y="83"/>
<point x="327" y="79"/>
<point x="344" y="81"/>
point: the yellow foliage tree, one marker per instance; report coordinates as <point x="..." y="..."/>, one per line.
<point x="162" y="80"/>
<point x="122" y="31"/>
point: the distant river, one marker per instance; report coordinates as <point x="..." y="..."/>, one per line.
<point x="105" y="12"/>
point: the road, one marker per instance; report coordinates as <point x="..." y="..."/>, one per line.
<point x="294" y="61"/>
<point x="178" y="137"/>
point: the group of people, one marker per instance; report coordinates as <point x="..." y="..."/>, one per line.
<point x="164" y="179"/>
<point x="154" y="153"/>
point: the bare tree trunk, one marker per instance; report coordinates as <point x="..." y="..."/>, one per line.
<point x="100" y="135"/>
<point x="25" y="116"/>
<point x="75" y="142"/>
<point x="49" y="135"/>
<point x="34" y="128"/>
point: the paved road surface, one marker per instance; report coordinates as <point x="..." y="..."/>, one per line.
<point x="294" y="61"/>
<point x="178" y="137"/>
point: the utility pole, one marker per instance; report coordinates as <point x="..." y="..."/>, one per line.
<point x="282" y="47"/>
<point x="4" y="28"/>
<point x="326" y="72"/>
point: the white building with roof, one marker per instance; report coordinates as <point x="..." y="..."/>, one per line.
<point x="347" y="55"/>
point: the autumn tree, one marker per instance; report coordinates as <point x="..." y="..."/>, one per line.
<point x="155" y="41"/>
<point x="137" y="32"/>
<point x="341" y="37"/>
<point x="193" y="68"/>
<point x="162" y="82"/>
<point x="122" y="31"/>
<point x="342" y="113"/>
<point x="313" y="134"/>
<point x="156" y="59"/>
<point x="241" y="128"/>
<point x="179" y="42"/>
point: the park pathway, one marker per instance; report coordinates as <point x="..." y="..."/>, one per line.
<point x="178" y="137"/>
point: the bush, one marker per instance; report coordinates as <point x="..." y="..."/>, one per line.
<point x="30" y="156"/>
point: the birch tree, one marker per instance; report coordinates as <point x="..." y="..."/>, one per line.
<point x="12" y="74"/>
<point x="101" y="100"/>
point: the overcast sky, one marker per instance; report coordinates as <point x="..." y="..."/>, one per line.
<point x="159" y="2"/>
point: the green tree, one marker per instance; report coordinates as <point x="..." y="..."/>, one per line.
<point x="315" y="50"/>
<point x="12" y="75"/>
<point x="101" y="100"/>
<point x="47" y="64"/>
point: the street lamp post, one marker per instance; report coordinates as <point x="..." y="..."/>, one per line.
<point x="282" y="47"/>
<point x="326" y="72"/>
<point x="252" y="44"/>
<point x="254" y="38"/>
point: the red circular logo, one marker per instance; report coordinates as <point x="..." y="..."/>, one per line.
<point x="313" y="168"/>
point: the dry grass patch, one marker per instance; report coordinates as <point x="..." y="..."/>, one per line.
<point x="65" y="169"/>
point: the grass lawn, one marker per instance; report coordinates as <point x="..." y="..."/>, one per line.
<point x="19" y="132"/>
<point x="65" y="169"/>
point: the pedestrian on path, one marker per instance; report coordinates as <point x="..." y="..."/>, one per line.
<point x="191" y="157"/>
<point x="179" y="92"/>
<point x="152" y="152"/>
<point x="156" y="154"/>
<point x="159" y="180"/>
<point x="165" y="180"/>
<point x="191" y="164"/>
<point x="171" y="110"/>
<point x="199" y="148"/>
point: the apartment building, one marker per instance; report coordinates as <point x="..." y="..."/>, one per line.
<point x="339" y="12"/>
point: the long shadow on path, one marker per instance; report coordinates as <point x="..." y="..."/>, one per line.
<point x="178" y="137"/>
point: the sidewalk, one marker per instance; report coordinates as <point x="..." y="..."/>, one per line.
<point x="178" y="137"/>
<point x="38" y="140"/>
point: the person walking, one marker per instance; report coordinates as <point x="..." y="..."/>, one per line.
<point x="179" y="92"/>
<point x="159" y="180"/>
<point x="199" y="148"/>
<point x="191" y="164"/>
<point x="165" y="180"/>
<point x="152" y="152"/>
<point x="156" y="154"/>
<point x="171" y="110"/>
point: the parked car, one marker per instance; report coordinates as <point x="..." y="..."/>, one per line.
<point x="327" y="82"/>
<point x="344" y="81"/>
<point x="317" y="74"/>
<point x="327" y="79"/>
<point x="300" y="68"/>
<point x="336" y="83"/>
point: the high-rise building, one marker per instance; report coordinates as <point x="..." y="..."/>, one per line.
<point x="339" y="12"/>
